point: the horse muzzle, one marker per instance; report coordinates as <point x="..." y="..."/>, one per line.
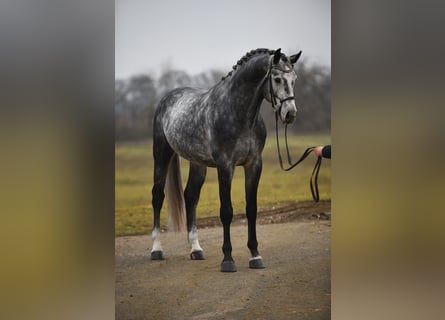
<point x="288" y="111"/>
<point x="290" y="117"/>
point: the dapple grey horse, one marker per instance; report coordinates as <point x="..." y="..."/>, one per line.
<point x="220" y="127"/>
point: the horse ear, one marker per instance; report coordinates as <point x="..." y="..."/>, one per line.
<point x="295" y="57"/>
<point x="277" y="56"/>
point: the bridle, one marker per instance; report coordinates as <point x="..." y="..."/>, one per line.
<point x="273" y="97"/>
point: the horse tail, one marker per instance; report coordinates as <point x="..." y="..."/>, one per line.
<point x="175" y="195"/>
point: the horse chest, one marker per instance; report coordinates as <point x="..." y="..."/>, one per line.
<point x="245" y="148"/>
<point x="237" y="149"/>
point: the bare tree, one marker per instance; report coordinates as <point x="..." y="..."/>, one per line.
<point x="171" y="79"/>
<point x="134" y="107"/>
<point x="136" y="99"/>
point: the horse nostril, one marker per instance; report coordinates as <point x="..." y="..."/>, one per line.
<point x="290" y="116"/>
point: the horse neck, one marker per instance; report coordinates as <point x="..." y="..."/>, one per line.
<point x="245" y="88"/>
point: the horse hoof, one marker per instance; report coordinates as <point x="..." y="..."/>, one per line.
<point x="157" y="255"/>
<point x="228" y="266"/>
<point x="256" y="263"/>
<point x="197" y="255"/>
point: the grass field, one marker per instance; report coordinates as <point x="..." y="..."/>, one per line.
<point x="134" y="180"/>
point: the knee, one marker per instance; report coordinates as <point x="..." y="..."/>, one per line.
<point x="226" y="214"/>
<point x="157" y="189"/>
<point x="251" y="210"/>
<point x="158" y="194"/>
<point x="189" y="195"/>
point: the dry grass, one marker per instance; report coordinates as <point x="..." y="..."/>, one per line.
<point x="134" y="180"/>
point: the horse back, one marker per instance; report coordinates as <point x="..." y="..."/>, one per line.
<point x="182" y="117"/>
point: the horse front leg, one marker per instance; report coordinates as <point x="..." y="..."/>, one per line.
<point x="225" y="174"/>
<point x="252" y="175"/>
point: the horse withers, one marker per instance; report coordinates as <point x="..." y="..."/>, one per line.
<point x="220" y="127"/>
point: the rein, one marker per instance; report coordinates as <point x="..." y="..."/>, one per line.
<point x="314" y="177"/>
<point x="315" y="171"/>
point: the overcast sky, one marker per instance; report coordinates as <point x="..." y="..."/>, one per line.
<point x="197" y="35"/>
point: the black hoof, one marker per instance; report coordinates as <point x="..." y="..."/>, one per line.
<point x="228" y="266"/>
<point x="157" y="255"/>
<point x="197" y="255"/>
<point x="256" y="264"/>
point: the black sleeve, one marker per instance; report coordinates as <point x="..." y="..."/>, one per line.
<point x="326" y="152"/>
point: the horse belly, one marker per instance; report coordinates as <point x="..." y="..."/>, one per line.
<point x="188" y="137"/>
<point x="193" y="150"/>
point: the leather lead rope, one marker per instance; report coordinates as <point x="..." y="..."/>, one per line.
<point x="315" y="171"/>
<point x="314" y="180"/>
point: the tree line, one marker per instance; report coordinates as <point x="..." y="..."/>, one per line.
<point x="137" y="97"/>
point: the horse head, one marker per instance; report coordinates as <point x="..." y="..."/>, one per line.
<point x="280" y="87"/>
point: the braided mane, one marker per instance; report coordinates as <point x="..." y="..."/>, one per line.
<point x="247" y="57"/>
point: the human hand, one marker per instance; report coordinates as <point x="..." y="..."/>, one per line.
<point x="318" y="151"/>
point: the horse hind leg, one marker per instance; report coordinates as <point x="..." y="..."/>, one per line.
<point x="192" y="192"/>
<point x="162" y="154"/>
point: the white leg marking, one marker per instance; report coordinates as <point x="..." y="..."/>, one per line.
<point x="255" y="258"/>
<point x="156" y="237"/>
<point x="193" y="239"/>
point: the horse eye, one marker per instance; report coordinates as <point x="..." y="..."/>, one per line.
<point x="277" y="80"/>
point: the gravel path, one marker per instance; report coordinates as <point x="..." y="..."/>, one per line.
<point x="294" y="285"/>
